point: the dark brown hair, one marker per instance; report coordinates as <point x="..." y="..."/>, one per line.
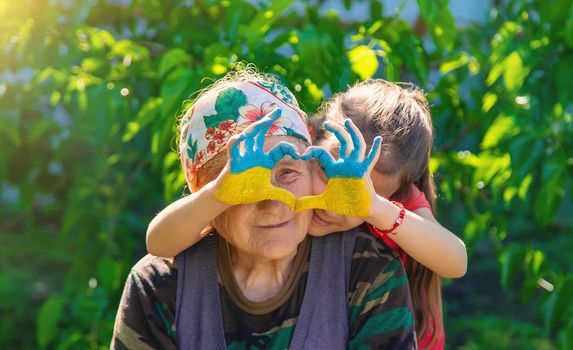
<point x="401" y="115"/>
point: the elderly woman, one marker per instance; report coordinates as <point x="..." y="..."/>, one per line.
<point x="257" y="280"/>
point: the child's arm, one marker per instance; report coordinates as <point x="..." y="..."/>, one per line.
<point x="419" y="235"/>
<point x="422" y="238"/>
<point x="180" y="224"/>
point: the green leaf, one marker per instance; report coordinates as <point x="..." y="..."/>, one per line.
<point x="130" y="48"/>
<point x="314" y="91"/>
<point x="93" y="65"/>
<point x="524" y="186"/>
<point x="443" y="29"/>
<point x="494" y="73"/>
<point x="488" y="101"/>
<point x="454" y="63"/>
<point x="376" y="10"/>
<point x="265" y="18"/>
<point x="551" y="192"/>
<point x="100" y="39"/>
<point x="429" y="8"/>
<point x="315" y="46"/>
<point x="58" y="77"/>
<point x="109" y="274"/>
<point x="9" y="132"/>
<point x="41" y="129"/>
<point x="568" y="30"/>
<point x="48" y="319"/>
<point x="438" y="17"/>
<point x="172" y="59"/>
<point x="565" y="336"/>
<point x="132" y="128"/>
<point x="173" y="178"/>
<point x="525" y="153"/>
<point x="563" y="71"/>
<point x="83" y="101"/>
<point x="508" y="194"/>
<point x="559" y="305"/>
<point x="363" y="61"/>
<point x="324" y="43"/>
<point x="401" y="46"/>
<point x="217" y="53"/>
<point x="177" y="86"/>
<point x="511" y="261"/>
<point x="514" y="72"/>
<point x="145" y="116"/>
<point x="151" y="8"/>
<point x="501" y="129"/>
<point x="491" y="167"/>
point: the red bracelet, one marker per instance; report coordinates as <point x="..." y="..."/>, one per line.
<point x="397" y="223"/>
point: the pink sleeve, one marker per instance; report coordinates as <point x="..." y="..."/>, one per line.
<point x="417" y="200"/>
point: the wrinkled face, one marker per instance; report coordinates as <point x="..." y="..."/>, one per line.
<point x="270" y="229"/>
<point x="324" y="221"/>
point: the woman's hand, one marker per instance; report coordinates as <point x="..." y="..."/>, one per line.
<point x="247" y="176"/>
<point x="349" y="190"/>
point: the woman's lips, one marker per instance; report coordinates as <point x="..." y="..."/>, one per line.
<point x="320" y="221"/>
<point x="279" y="225"/>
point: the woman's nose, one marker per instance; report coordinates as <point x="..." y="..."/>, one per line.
<point x="272" y="205"/>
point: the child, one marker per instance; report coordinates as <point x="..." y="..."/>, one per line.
<point x="179" y="225"/>
<point x="401" y="116"/>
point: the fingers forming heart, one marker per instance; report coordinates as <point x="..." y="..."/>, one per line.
<point x="346" y="191"/>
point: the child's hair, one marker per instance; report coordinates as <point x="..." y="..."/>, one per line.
<point x="400" y="114"/>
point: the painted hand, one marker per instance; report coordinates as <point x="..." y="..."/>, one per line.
<point x="349" y="189"/>
<point x="249" y="179"/>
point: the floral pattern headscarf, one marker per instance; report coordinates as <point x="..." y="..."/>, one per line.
<point x="222" y="113"/>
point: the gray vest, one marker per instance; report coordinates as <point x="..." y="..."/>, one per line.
<point x="323" y="319"/>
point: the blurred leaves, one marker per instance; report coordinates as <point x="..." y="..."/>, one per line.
<point x="48" y="318"/>
<point x="501" y="129"/>
<point x="364" y="61"/>
<point x="259" y="26"/>
<point x="440" y="21"/>
<point x="172" y="59"/>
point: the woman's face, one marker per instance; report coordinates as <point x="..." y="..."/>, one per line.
<point x="270" y="229"/>
<point x="324" y="221"/>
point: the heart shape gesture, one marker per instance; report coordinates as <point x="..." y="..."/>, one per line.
<point x="249" y="179"/>
<point x="348" y="191"/>
<point x="349" y="188"/>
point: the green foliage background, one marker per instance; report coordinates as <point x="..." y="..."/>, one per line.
<point x="90" y="92"/>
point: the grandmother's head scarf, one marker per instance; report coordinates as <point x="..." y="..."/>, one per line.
<point x="226" y="111"/>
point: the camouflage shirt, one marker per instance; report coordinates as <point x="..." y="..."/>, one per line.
<point x="380" y="315"/>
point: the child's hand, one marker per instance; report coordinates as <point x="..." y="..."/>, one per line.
<point x="254" y="139"/>
<point x="247" y="176"/>
<point x="349" y="190"/>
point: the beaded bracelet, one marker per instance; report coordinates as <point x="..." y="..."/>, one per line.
<point x="397" y="223"/>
